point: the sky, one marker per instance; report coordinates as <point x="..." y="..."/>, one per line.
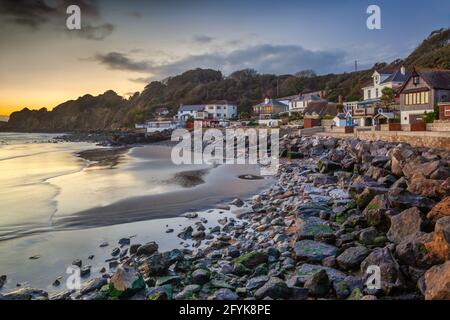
<point x="124" y="45"/>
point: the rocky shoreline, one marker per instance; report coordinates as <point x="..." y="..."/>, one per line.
<point x="338" y="208"/>
<point x="115" y="138"/>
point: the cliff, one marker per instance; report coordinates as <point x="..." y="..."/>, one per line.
<point x="244" y="87"/>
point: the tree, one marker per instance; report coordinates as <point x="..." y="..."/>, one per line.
<point x="429" y="117"/>
<point x="388" y="96"/>
<point x="306" y="74"/>
<point x="244" y="115"/>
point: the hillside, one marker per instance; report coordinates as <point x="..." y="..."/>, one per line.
<point x="244" y="87"/>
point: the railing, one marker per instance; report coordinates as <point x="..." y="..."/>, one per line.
<point x="416" y="107"/>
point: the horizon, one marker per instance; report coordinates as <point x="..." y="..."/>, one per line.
<point x="118" y="49"/>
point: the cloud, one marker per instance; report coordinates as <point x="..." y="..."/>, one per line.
<point x="99" y="32"/>
<point x="119" y="61"/>
<point x="36" y="13"/>
<point x="202" y="39"/>
<point x="265" y="58"/>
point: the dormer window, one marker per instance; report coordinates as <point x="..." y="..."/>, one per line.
<point x="416" y="80"/>
<point x="376" y="79"/>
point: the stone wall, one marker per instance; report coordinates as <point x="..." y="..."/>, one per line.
<point x="439" y="125"/>
<point x="418" y="139"/>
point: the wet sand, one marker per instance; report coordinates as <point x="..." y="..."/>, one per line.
<point x="221" y="184"/>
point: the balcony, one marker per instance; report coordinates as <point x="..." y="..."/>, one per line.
<point x="417" y="107"/>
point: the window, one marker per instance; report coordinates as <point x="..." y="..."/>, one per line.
<point x="376" y="93"/>
<point x="416" y="80"/>
<point x="368" y="94"/>
<point x="426" y="97"/>
<point x="413" y="99"/>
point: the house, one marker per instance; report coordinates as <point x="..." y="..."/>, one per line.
<point x="366" y="109"/>
<point x="350" y="105"/>
<point x="343" y="119"/>
<point x="316" y="110"/>
<point x="444" y="110"/>
<point x="421" y="91"/>
<point x="269" y="108"/>
<point x="221" y="110"/>
<point x="161" y="112"/>
<point x="214" y="113"/>
<point x="319" y="109"/>
<point x="195" y="112"/>
<point x="384" y="79"/>
<point x="299" y="102"/>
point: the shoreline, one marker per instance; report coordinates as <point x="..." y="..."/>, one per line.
<point x="344" y="205"/>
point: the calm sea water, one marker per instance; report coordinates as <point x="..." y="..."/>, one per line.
<point x="44" y="184"/>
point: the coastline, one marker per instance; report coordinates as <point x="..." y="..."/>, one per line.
<point x="344" y="205"/>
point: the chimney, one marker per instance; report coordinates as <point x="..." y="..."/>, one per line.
<point x="403" y="70"/>
<point x="340" y="99"/>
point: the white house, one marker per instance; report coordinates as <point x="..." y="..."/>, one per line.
<point x="301" y="101"/>
<point x="381" y="80"/>
<point x="221" y="111"/>
<point x="212" y="111"/>
<point x="186" y="112"/>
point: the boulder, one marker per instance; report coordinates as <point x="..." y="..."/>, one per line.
<point x="439" y="247"/>
<point x="224" y="294"/>
<point x="437" y="282"/>
<point x="365" y="197"/>
<point x="441" y="209"/>
<point x="391" y="276"/>
<point x="26" y="294"/>
<point x="426" y="187"/>
<point x="318" y="284"/>
<point x="306" y="270"/>
<point x="405" y="225"/>
<point x="275" y="288"/>
<point x="326" y="166"/>
<point x="252" y="259"/>
<point x="313" y="251"/>
<point x="125" y="282"/>
<point x="352" y="257"/>
<point x="368" y="235"/>
<point x="379" y="161"/>
<point x="200" y="276"/>
<point x="189" y="292"/>
<point x="413" y="252"/>
<point x="155" y="265"/>
<point x="186" y="233"/>
<point x="375" y="212"/>
<point x="312" y="228"/>
<point x="405" y="200"/>
<point x="164" y="292"/>
<point x="256" y="282"/>
<point x="147" y="249"/>
<point x="92" y="285"/>
<point x="3" y="279"/>
<point x="423" y="169"/>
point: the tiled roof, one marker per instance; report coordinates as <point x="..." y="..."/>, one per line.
<point x="396" y="76"/>
<point x="192" y="107"/>
<point x="321" y="108"/>
<point x="438" y="79"/>
<point x="271" y="102"/>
